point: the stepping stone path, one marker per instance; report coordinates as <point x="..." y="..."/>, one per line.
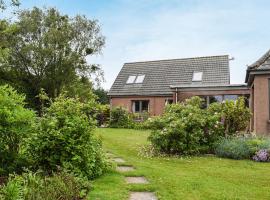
<point x="142" y="196"/>
<point x="125" y="168"/>
<point x="118" y="160"/>
<point x="136" y="180"/>
<point x="133" y="180"/>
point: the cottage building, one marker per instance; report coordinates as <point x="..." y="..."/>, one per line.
<point x="149" y="86"/>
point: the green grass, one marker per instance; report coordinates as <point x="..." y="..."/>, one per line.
<point x="179" y="178"/>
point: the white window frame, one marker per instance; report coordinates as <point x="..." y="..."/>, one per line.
<point x="197" y="76"/>
<point x="131" y="79"/>
<point x="140" y="78"/>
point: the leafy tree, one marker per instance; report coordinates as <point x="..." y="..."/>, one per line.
<point x="4" y="4"/>
<point x="102" y="96"/>
<point x="45" y="49"/>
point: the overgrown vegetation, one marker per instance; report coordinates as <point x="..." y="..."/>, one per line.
<point x="36" y="186"/>
<point x="64" y="138"/>
<point x="16" y="124"/>
<point x="186" y="128"/>
<point x="242" y="147"/>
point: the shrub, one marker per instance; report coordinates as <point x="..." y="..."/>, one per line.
<point x="235" y="148"/>
<point x="262" y="156"/>
<point x="15" y="125"/>
<point x="65" y="138"/>
<point x="31" y="186"/>
<point x="120" y="118"/>
<point x="187" y="128"/>
<point x="234" y="115"/>
<point x="180" y="130"/>
<point x="241" y="147"/>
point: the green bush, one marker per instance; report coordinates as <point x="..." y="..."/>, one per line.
<point x="235" y="148"/>
<point x="234" y="115"/>
<point x="16" y="124"/>
<point x="187" y="128"/>
<point x="35" y="186"/>
<point x="240" y="147"/>
<point x="180" y="129"/>
<point x="120" y="118"/>
<point x="65" y="138"/>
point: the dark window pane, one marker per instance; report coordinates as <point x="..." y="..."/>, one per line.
<point x="213" y="99"/>
<point x="136" y="106"/>
<point x="230" y="97"/>
<point x="145" y="106"/>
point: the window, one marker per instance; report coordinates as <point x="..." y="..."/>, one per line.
<point x="197" y="76"/>
<point x="135" y="79"/>
<point x="213" y="99"/>
<point x="168" y="101"/>
<point x="140" y="106"/>
<point x="131" y="79"/>
<point x="230" y="97"/>
<point x="139" y="79"/>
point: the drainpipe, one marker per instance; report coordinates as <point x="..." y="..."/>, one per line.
<point x="176" y="95"/>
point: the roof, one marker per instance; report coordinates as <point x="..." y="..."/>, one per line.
<point x="260" y="66"/>
<point x="211" y="87"/>
<point x="161" y="74"/>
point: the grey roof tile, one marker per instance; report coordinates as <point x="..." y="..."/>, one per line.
<point x="160" y="74"/>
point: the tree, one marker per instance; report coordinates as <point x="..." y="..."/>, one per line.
<point x="4" y="4"/>
<point x="45" y="49"/>
<point x="102" y="95"/>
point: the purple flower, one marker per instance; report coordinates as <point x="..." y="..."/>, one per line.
<point x="261" y="156"/>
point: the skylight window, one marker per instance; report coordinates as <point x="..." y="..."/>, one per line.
<point x="139" y="78"/>
<point x="131" y="79"/>
<point x="135" y="79"/>
<point x="197" y="76"/>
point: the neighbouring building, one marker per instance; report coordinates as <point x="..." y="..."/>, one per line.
<point x="149" y="86"/>
<point x="258" y="80"/>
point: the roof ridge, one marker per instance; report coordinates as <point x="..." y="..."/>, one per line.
<point x="260" y="61"/>
<point x="188" y="58"/>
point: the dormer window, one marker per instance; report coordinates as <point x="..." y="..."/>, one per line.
<point x="139" y="78"/>
<point x="135" y="79"/>
<point x="131" y="79"/>
<point x="197" y="76"/>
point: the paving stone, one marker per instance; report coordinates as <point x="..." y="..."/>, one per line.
<point x="142" y="196"/>
<point x="136" y="180"/>
<point x="118" y="160"/>
<point x="124" y="168"/>
<point x="109" y="155"/>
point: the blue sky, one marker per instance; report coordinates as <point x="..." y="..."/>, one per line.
<point x="137" y="30"/>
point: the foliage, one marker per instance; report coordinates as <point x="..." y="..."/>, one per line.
<point x="120" y="118"/>
<point x="103" y="115"/>
<point x="64" y="138"/>
<point x="235" y="148"/>
<point x="45" y="49"/>
<point x="31" y="186"/>
<point x="16" y="123"/>
<point x="262" y="156"/>
<point x="4" y="4"/>
<point x="234" y="115"/>
<point x="102" y="95"/>
<point x="184" y="133"/>
<point x="241" y="147"/>
<point x="187" y="128"/>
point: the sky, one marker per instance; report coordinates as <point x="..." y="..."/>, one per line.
<point x="140" y="30"/>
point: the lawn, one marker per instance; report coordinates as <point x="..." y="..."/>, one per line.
<point x="179" y="178"/>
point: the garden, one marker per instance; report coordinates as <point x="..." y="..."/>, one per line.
<point x="59" y="139"/>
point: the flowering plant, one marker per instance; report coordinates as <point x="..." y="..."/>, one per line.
<point x="262" y="156"/>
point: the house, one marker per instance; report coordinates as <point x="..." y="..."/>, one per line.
<point x="258" y="80"/>
<point x="149" y="86"/>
